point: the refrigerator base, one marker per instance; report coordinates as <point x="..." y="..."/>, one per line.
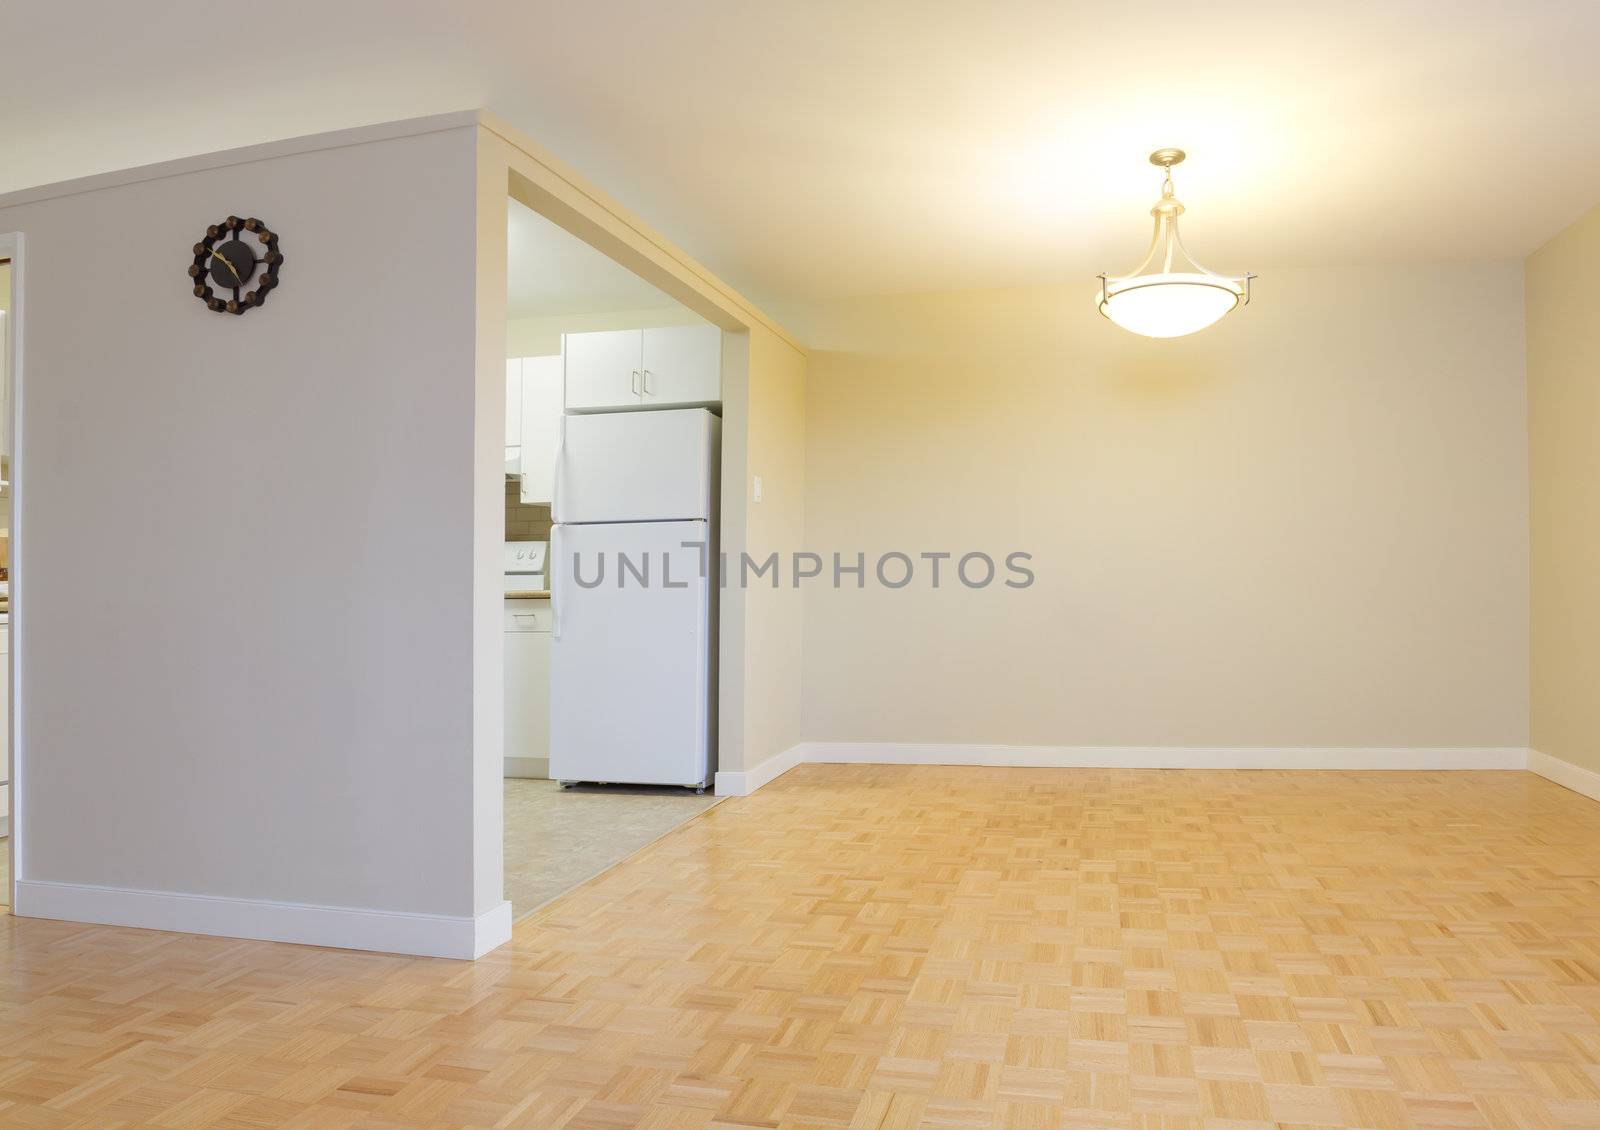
<point x="698" y="789"/>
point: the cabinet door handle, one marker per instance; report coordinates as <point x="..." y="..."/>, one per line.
<point x="634" y="383"/>
<point x="648" y="391"/>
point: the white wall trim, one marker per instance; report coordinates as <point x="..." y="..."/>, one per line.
<point x="747" y="782"/>
<point x="12" y="246"/>
<point x="1170" y="757"/>
<point x="1132" y="757"/>
<point x="425" y="935"/>
<point x="1565" y="773"/>
<point x="570" y="190"/>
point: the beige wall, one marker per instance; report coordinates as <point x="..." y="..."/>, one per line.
<point x="1304" y="527"/>
<point x="774" y="623"/>
<point x="763" y="433"/>
<point x="1563" y="281"/>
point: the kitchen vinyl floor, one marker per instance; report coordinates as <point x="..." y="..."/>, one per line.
<point x="881" y="947"/>
<point x="557" y="838"/>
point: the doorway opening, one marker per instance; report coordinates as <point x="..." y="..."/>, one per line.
<point x="613" y="405"/>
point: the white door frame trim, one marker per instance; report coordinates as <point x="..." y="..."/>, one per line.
<point x="11" y="247"/>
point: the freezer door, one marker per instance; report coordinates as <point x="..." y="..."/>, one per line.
<point x="637" y="467"/>
<point x="629" y="660"/>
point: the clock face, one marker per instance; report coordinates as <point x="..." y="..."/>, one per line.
<point x="232" y="255"/>
<point x="232" y="264"/>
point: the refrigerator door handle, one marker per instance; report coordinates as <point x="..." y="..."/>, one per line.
<point x="553" y="575"/>
<point x="555" y="475"/>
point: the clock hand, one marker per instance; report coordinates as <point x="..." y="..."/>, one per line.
<point x="232" y="270"/>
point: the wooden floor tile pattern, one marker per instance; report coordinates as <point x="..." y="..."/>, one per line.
<point x="877" y="947"/>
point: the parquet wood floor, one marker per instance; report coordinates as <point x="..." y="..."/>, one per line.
<point x="874" y="947"/>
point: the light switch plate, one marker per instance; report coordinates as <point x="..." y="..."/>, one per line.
<point x="755" y="488"/>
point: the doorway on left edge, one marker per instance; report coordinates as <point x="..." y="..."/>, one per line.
<point x="5" y="582"/>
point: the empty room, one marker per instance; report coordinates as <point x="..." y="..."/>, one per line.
<point x="800" y="566"/>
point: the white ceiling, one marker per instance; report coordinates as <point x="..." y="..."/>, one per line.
<point x="804" y="148"/>
<point x="549" y="271"/>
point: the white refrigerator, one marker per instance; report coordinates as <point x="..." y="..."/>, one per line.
<point x="632" y="569"/>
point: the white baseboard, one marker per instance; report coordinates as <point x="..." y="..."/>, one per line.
<point x="1167" y="757"/>
<point x="425" y="935"/>
<point x="1125" y="757"/>
<point x="1565" y="773"/>
<point x="747" y="782"/>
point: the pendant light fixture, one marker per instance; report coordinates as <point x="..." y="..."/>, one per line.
<point x="1169" y="294"/>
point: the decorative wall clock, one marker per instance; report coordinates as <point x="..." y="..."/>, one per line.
<point x="225" y="261"/>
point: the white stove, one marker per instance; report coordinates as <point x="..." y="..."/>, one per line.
<point x="525" y="565"/>
<point x="527" y="662"/>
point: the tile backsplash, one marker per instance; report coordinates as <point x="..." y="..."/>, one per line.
<point x="525" y="522"/>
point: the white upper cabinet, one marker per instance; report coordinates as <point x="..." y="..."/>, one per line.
<point x="603" y="369"/>
<point x="514" y="402"/>
<point x="513" y="415"/>
<point x="682" y="366"/>
<point x="541" y="426"/>
<point x="656" y="368"/>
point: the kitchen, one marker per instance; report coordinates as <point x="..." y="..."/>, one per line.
<point x="613" y="401"/>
